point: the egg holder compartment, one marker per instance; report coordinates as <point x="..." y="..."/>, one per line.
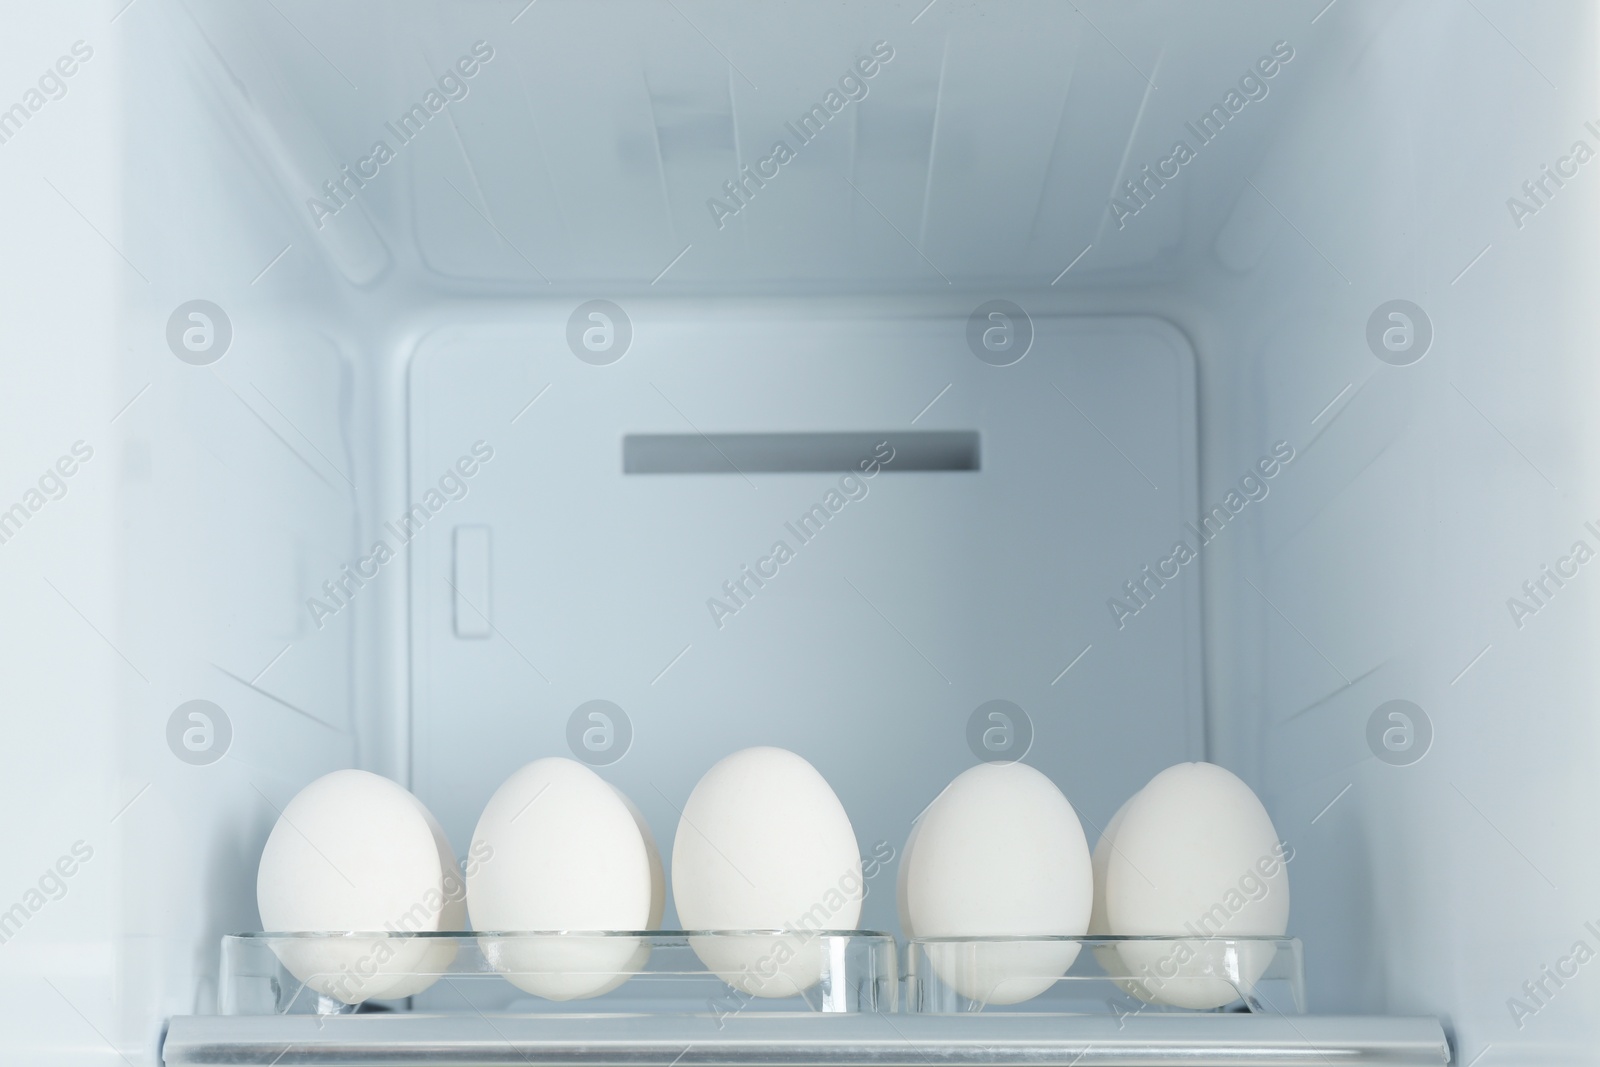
<point x="624" y="972"/>
<point x="1118" y="976"/>
<point x="661" y="973"/>
<point x="671" y="1011"/>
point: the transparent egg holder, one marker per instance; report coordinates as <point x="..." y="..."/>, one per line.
<point x="649" y="972"/>
<point x="753" y="973"/>
<point x="795" y="998"/>
<point x="1119" y="976"/>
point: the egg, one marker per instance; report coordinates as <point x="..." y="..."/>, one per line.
<point x="765" y="845"/>
<point x="562" y="850"/>
<point x="1195" y="854"/>
<point x="353" y="851"/>
<point x="999" y="853"/>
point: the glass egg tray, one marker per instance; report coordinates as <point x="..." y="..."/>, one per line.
<point x="776" y="998"/>
<point x="721" y="973"/>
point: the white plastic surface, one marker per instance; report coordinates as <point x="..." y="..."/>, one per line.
<point x="873" y="646"/>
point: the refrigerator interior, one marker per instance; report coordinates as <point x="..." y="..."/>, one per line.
<point x="419" y="308"/>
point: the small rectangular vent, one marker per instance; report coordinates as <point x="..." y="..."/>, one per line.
<point x="787" y="453"/>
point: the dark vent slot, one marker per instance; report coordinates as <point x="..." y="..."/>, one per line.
<point x="777" y="453"/>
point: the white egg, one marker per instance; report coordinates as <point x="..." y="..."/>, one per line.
<point x="355" y="852"/>
<point x="1196" y="854"/>
<point x="999" y="853"/>
<point x="561" y="850"/>
<point x="764" y="844"/>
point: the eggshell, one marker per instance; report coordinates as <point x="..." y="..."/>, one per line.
<point x="563" y="851"/>
<point x="764" y="844"/>
<point x="999" y="853"/>
<point x="1196" y="853"/>
<point x="355" y="852"/>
